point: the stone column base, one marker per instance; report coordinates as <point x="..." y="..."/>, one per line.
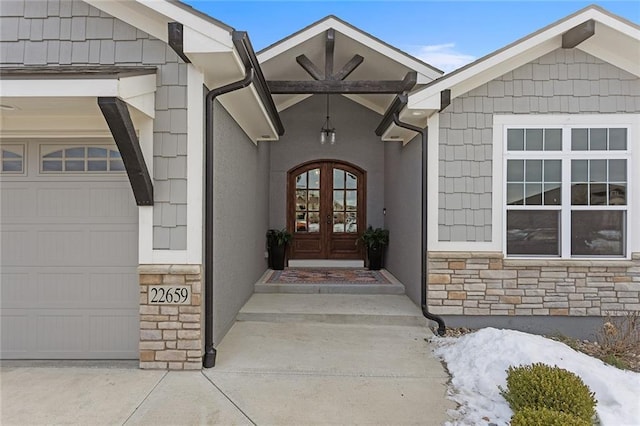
<point x="171" y="336"/>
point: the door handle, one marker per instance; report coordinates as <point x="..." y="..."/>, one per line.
<point x="328" y="219"/>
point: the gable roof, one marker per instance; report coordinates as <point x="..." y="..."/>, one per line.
<point x="381" y="60"/>
<point x="616" y="40"/>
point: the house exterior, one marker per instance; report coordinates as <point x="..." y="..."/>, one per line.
<point x="146" y="149"/>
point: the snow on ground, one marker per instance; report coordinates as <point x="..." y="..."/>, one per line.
<point x="478" y="363"/>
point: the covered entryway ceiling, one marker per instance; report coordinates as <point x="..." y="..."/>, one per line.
<point x="380" y="63"/>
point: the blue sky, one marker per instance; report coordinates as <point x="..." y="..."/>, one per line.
<point x="446" y="34"/>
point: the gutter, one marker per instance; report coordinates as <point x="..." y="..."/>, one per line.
<point x="393" y="115"/>
<point x="253" y="75"/>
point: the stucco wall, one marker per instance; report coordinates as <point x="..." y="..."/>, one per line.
<point x="356" y="143"/>
<point x="565" y="81"/>
<point x="38" y="33"/>
<point x="402" y="186"/>
<point x="241" y="206"/>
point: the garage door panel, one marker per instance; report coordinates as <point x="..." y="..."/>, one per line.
<point x="62" y="289"/>
<point x="16" y="202"/>
<point x="17" y="246"/>
<point x="61" y="332"/>
<point x="114" y="289"/>
<point x="17" y="336"/>
<point x="113" y="247"/>
<point x="113" y="202"/>
<point x="63" y="202"/>
<point x="16" y="288"/>
<point x="113" y="332"/>
<point x="63" y="248"/>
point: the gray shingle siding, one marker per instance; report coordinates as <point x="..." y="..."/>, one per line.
<point x="565" y="81"/>
<point x="74" y="33"/>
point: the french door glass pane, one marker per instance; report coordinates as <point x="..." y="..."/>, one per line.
<point x="533" y="232"/>
<point x="598" y="233"/>
<point x="351" y="222"/>
<point x="352" y="181"/>
<point x="301" y="181"/>
<point x="338" y="221"/>
<point x="314" y="222"/>
<point x="338" y="179"/>
<point x="352" y="200"/>
<point x="314" y="179"/>
<point x="313" y="203"/>
<point x="338" y="200"/>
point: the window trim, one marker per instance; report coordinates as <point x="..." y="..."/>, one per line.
<point x="24" y="159"/>
<point x="500" y="157"/>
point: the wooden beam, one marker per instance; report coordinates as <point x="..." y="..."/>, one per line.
<point x="328" y="56"/>
<point x="578" y="34"/>
<point x="348" y="68"/>
<point x="445" y="99"/>
<point x="278" y="87"/>
<point x="176" y="40"/>
<point x="116" y="114"/>
<point x="310" y="67"/>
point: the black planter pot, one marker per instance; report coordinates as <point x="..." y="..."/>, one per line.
<point x="276" y="257"/>
<point x="376" y="258"/>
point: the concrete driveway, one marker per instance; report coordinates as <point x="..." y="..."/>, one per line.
<point x="266" y="374"/>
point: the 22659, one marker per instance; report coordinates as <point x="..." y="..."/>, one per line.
<point x="169" y="295"/>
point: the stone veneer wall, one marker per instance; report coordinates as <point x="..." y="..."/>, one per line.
<point x="484" y="283"/>
<point x="171" y="336"/>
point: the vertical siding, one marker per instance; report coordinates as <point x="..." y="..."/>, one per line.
<point x="356" y="143"/>
<point x="241" y="208"/>
<point x="565" y="81"/>
<point x="38" y="33"/>
<point x="402" y="186"/>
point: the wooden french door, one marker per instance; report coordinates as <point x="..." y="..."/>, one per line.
<point x="326" y="210"/>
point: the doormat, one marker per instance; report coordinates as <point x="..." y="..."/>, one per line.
<point x="327" y="276"/>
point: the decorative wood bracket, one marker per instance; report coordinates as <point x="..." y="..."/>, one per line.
<point x="116" y="114"/>
<point x="445" y="99"/>
<point x="578" y="34"/>
<point x="176" y="40"/>
<point x="330" y="82"/>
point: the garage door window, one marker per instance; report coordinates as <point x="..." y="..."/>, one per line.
<point x="12" y="159"/>
<point x="80" y="159"/>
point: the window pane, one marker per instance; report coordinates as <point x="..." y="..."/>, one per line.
<point x="515" y="139"/>
<point x="597" y="170"/>
<point x="54" y="154"/>
<point x="301" y="181"/>
<point x="515" y="170"/>
<point x="338" y="179"/>
<point x="314" y="222"/>
<point x="552" y="170"/>
<point x="553" y="140"/>
<point x="352" y="200"/>
<point x="301" y="199"/>
<point x="96" y="152"/>
<point x="74" y="166"/>
<point x="14" y="166"/>
<point x="74" y="152"/>
<point x="598" y="233"/>
<point x="579" y="194"/>
<point x="515" y="194"/>
<point x="579" y="170"/>
<point x="97" y="165"/>
<point x="352" y="181"/>
<point x="51" y="166"/>
<point x="617" y="194"/>
<point x="533" y="170"/>
<point x="114" y="154"/>
<point x="533" y="232"/>
<point x="552" y="196"/>
<point x="351" y="222"/>
<point x="617" y="139"/>
<point x="301" y="222"/>
<point x="314" y="201"/>
<point x="598" y="140"/>
<point x="534" y="140"/>
<point x="617" y="170"/>
<point x="579" y="139"/>
<point x="533" y="193"/>
<point x="116" y="165"/>
<point x="598" y="194"/>
<point x="10" y="154"/>
<point x="314" y="179"/>
<point x="338" y="200"/>
<point x="338" y="222"/>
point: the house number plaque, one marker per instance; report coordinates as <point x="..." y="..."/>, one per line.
<point x="169" y="295"/>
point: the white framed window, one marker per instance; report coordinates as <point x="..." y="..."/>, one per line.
<point x="80" y="159"/>
<point x="567" y="187"/>
<point x="12" y="159"/>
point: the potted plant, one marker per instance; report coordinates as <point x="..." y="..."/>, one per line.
<point x="277" y="241"/>
<point x="376" y="240"/>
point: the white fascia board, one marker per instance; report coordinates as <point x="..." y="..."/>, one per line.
<point x="134" y="15"/>
<point x="59" y="88"/>
<point x="506" y="60"/>
<point x="283" y="105"/>
<point x="196" y="42"/>
<point x="425" y="73"/>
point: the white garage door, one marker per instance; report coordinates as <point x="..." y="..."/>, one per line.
<point x="69" y="232"/>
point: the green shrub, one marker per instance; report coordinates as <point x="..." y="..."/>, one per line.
<point x="541" y="386"/>
<point x="545" y="417"/>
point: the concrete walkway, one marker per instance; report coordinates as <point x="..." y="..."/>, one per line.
<point x="266" y="374"/>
